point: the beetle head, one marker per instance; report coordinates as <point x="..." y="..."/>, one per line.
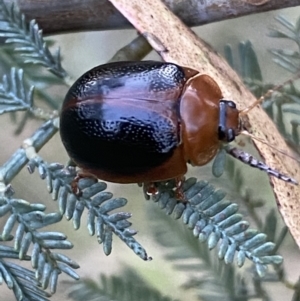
<point x="229" y="121"/>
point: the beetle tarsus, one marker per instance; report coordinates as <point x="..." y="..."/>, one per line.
<point x="150" y="189"/>
<point x="153" y="189"/>
<point x="179" y="194"/>
<point x="74" y="184"/>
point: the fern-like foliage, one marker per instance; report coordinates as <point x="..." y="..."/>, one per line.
<point x="22" y="281"/>
<point x="287" y="98"/>
<point x="210" y="278"/>
<point x="248" y="67"/>
<point x="27" y="218"/>
<point x="287" y="58"/>
<point x="118" y="288"/>
<point x="14" y="95"/>
<point x="216" y="221"/>
<point x="29" y="39"/>
<point x="88" y="194"/>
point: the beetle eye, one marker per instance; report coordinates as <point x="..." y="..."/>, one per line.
<point x="230" y="135"/>
<point x="231" y="104"/>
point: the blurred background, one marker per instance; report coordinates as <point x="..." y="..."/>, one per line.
<point x="83" y="51"/>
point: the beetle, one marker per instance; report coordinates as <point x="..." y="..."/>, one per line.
<point x="141" y="122"/>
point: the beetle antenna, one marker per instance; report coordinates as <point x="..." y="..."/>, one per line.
<point x="268" y="94"/>
<point x="250" y="160"/>
<point x="245" y="133"/>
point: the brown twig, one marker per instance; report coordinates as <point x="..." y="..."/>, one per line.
<point x="58" y="16"/>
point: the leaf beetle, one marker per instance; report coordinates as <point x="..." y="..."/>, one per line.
<point x="142" y="122"/>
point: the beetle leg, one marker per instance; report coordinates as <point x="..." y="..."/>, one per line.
<point x="80" y="175"/>
<point x="150" y="189"/>
<point x="74" y="186"/>
<point x="179" y="194"/>
<point x="154" y="188"/>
